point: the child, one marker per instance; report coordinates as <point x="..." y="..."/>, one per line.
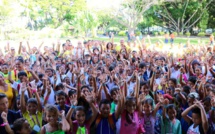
<point x="169" y="123"/>
<point x="198" y="122"/>
<point x="81" y="125"/>
<point x="17" y="106"/>
<point x="54" y="126"/>
<point x="148" y="115"/>
<point x="113" y="92"/>
<point x="33" y="112"/>
<point x="129" y="117"/>
<point x="20" y="126"/>
<point x="105" y="122"/>
<point x="211" y="119"/>
<point x="60" y="98"/>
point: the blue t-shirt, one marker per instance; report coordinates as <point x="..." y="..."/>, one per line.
<point x="184" y="124"/>
<point x="104" y="126"/>
<point x="11" y="117"/>
<point x="66" y="109"/>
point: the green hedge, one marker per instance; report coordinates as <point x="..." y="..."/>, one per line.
<point x="201" y="34"/>
<point x="155" y="33"/>
<point x="100" y="32"/>
<point x="137" y="33"/>
<point x="122" y="33"/>
<point x="181" y="34"/>
<point x="161" y="33"/>
<point x="175" y="33"/>
<point x="187" y="34"/>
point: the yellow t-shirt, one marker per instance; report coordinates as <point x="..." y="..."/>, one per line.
<point x="6" y="78"/>
<point x="9" y="94"/>
<point x="34" y="119"/>
<point x="66" y="53"/>
<point x="118" y="47"/>
<point x="14" y="75"/>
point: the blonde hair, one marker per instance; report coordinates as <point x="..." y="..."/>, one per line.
<point x="51" y="108"/>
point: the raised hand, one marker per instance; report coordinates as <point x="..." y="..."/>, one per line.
<point x="73" y="100"/>
<point x="28" y="69"/>
<point x="94" y="74"/>
<point x="90" y="97"/>
<point x="4" y="116"/>
<point x="213" y="102"/>
<point x="23" y="86"/>
<point x="155" y="87"/>
<point x="62" y="113"/>
<point x="77" y="71"/>
<point x="49" y="88"/>
<point x="161" y="98"/>
<point x="142" y="97"/>
<point x="199" y="104"/>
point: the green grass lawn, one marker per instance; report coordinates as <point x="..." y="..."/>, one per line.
<point x="183" y="40"/>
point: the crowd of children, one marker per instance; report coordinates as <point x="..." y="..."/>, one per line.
<point x="104" y="88"/>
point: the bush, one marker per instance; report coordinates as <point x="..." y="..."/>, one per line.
<point x="187" y="34"/>
<point x="175" y="33"/>
<point x="100" y="32"/>
<point x="137" y="33"/>
<point x="161" y="33"/>
<point x="214" y="33"/>
<point x="155" y="33"/>
<point x="181" y="34"/>
<point x="122" y="33"/>
<point x="201" y="34"/>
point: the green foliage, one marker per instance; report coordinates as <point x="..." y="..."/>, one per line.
<point x="204" y="21"/>
<point x="187" y="34"/>
<point x="183" y="15"/>
<point x="122" y="33"/>
<point x="100" y="32"/>
<point x="211" y="13"/>
<point x="85" y="21"/>
<point x="161" y="33"/>
<point x="155" y="33"/>
<point x="52" y="13"/>
<point x="175" y="33"/>
<point x="148" y="20"/>
<point x="214" y="33"/>
<point x="137" y="33"/>
<point x="201" y="34"/>
<point x="113" y="29"/>
<point x="181" y="34"/>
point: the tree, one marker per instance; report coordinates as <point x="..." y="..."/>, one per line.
<point x="181" y="16"/>
<point x="108" y="23"/>
<point x="211" y="12"/>
<point x="84" y="22"/>
<point x="130" y="12"/>
<point x="9" y="18"/>
<point x="51" y="12"/>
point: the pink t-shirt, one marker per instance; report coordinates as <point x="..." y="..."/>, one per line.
<point x="127" y="128"/>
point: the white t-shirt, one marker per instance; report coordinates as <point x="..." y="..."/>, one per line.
<point x="51" y="99"/>
<point x="192" y="130"/>
<point x="158" y="81"/>
<point x="130" y="88"/>
<point x="15" y="87"/>
<point x="174" y="73"/>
